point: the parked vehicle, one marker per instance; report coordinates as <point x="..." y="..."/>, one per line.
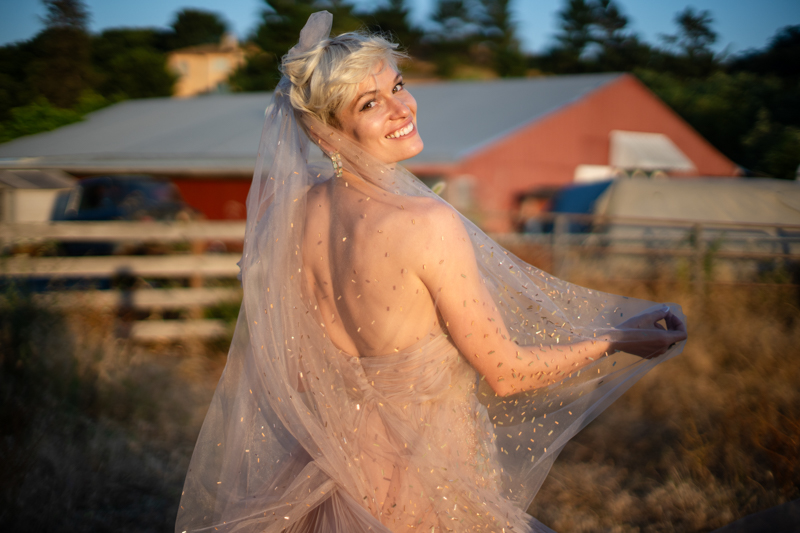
<point x="122" y="197"/>
<point x="118" y="197"/>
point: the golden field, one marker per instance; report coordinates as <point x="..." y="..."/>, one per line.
<point x="97" y="433"/>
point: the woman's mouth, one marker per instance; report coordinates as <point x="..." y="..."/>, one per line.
<point x="402" y="132"/>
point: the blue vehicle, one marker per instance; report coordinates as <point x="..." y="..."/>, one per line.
<point x="118" y="197"/>
<point x="121" y="197"/>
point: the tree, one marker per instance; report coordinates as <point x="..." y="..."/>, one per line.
<point x="15" y="90"/>
<point x="66" y="14"/>
<point x="781" y="58"/>
<point x="695" y="35"/>
<point x="693" y="41"/>
<point x="458" y="20"/>
<point x="281" y="22"/>
<point x="576" y="21"/>
<point x="609" y="23"/>
<point x="392" y="18"/>
<point x="192" y="27"/>
<point x="130" y="65"/>
<point x="740" y="114"/>
<point x="593" y="37"/>
<point x="61" y="70"/>
<point x="39" y="115"/>
<point x="499" y="27"/>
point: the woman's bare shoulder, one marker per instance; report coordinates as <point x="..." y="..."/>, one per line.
<point x="428" y="226"/>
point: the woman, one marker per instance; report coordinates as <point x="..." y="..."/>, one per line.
<point x="393" y="369"/>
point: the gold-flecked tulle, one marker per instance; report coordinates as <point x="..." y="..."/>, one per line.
<point x="303" y="437"/>
<point x="425" y="440"/>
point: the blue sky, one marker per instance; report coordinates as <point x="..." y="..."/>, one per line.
<point x="741" y="24"/>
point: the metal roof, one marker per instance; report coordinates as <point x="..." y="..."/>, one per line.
<point x="36" y="179"/>
<point x="219" y="134"/>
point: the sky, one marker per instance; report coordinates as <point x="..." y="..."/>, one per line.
<point x="741" y="24"/>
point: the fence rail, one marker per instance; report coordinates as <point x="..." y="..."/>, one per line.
<point x="608" y="245"/>
<point x="123" y="231"/>
<point x="191" y="263"/>
<point x="638" y="247"/>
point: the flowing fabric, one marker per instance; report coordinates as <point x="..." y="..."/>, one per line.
<point x="303" y="437"/>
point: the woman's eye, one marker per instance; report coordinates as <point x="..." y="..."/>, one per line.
<point x="399" y="87"/>
<point x="368" y="105"/>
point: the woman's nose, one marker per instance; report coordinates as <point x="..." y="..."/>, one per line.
<point x="399" y="108"/>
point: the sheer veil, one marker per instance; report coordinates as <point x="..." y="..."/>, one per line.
<point x="283" y="446"/>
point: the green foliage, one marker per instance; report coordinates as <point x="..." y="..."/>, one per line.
<point x="749" y="109"/>
<point x="593" y="37"/>
<point x="577" y="18"/>
<point x="779" y="59"/>
<point x="475" y="35"/>
<point x="61" y="68"/>
<point x="738" y="113"/>
<point x="695" y="35"/>
<point x="193" y="26"/>
<point x="688" y="52"/>
<point x="281" y="22"/>
<point x="392" y="19"/>
<point x="259" y="73"/>
<point x="130" y="64"/>
<point x="14" y="89"/>
<point x="40" y="115"/>
<point x="66" y="14"/>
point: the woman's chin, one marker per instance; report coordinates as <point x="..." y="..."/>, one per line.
<point x="412" y="149"/>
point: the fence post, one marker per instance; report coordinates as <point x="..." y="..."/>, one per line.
<point x="559" y="247"/>
<point x="699" y="257"/>
<point x="196" y="281"/>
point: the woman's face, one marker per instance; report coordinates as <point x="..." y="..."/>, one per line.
<point x="383" y="117"/>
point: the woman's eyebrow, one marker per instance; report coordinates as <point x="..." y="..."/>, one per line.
<point x="397" y="78"/>
<point x="367" y="93"/>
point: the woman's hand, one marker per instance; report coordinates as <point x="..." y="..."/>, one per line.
<point x="645" y="336"/>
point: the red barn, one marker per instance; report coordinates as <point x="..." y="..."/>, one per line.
<point x="514" y="136"/>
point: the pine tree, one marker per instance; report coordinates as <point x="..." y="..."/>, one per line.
<point x="62" y="70"/>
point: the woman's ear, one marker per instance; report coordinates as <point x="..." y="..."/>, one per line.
<point x="327" y="149"/>
<point x="315" y="136"/>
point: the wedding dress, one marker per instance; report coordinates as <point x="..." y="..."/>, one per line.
<point x="303" y="437"/>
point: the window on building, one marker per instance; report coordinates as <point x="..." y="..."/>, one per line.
<point x="220" y="64"/>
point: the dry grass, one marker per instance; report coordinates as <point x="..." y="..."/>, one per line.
<point x="706" y="438"/>
<point x="97" y="434"/>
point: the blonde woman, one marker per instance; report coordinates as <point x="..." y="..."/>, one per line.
<point x="393" y="369"/>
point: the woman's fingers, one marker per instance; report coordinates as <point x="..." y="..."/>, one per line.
<point x="675" y="323"/>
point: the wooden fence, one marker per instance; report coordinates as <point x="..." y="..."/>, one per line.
<point x="645" y="247"/>
<point x="194" y="253"/>
<point x="187" y="262"/>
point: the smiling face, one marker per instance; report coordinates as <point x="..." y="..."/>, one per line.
<point x="383" y="117"/>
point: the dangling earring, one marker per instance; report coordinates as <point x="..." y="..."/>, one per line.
<point x="336" y="159"/>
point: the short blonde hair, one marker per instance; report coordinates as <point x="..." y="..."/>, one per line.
<point x="325" y="78"/>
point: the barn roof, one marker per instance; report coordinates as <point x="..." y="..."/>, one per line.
<point x="220" y="133"/>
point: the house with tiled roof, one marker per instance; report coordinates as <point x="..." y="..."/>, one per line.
<point x="205" y="68"/>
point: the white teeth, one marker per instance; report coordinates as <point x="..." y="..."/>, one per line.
<point x="401" y="132"/>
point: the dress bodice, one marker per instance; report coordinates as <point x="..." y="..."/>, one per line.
<point x="431" y="369"/>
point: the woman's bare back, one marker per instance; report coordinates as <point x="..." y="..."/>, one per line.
<point x="359" y="252"/>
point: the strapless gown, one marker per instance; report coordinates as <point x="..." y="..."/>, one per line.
<point x="425" y="451"/>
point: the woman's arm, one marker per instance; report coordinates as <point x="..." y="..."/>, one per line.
<point x="448" y="267"/>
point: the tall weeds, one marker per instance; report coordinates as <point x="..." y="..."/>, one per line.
<point x="97" y="433"/>
<point x="706" y="438"/>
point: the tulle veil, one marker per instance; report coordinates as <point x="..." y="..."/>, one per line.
<point x="278" y="451"/>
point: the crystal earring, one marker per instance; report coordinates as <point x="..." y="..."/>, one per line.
<point x="336" y="159"/>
